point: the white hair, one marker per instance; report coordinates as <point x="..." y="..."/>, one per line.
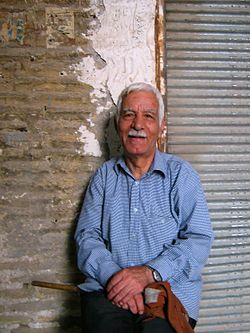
<point x="140" y="86"/>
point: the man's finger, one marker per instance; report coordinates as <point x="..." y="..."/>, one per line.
<point x="139" y="303"/>
<point x="132" y="306"/>
<point x="124" y="306"/>
<point x="120" y="293"/>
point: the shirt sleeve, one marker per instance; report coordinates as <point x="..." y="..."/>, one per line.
<point x="185" y="258"/>
<point x="93" y="258"/>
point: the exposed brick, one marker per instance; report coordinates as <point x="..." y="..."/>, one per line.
<point x="43" y="175"/>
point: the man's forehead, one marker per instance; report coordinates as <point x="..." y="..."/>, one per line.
<point x="148" y="110"/>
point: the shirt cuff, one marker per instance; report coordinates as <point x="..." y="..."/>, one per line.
<point x="163" y="266"/>
<point x="107" y="269"/>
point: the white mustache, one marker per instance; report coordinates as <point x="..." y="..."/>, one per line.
<point x="137" y="134"/>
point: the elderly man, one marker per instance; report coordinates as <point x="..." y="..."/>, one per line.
<point x="144" y="219"/>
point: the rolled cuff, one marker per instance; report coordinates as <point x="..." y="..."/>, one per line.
<point x="107" y="269"/>
<point x="163" y="266"/>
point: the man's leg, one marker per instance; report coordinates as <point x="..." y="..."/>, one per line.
<point x="99" y="315"/>
<point x="156" y="325"/>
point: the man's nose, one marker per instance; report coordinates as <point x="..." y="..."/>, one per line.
<point x="137" y="123"/>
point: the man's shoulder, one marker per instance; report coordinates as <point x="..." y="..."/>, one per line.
<point x="175" y="163"/>
<point x="104" y="172"/>
<point x="171" y="159"/>
<point x="108" y="166"/>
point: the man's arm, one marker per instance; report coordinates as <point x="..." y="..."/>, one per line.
<point x="185" y="258"/>
<point x="93" y="258"/>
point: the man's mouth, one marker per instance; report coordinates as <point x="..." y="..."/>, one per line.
<point x="137" y="134"/>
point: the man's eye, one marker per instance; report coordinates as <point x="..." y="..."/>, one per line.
<point x="149" y="115"/>
<point x="127" y="114"/>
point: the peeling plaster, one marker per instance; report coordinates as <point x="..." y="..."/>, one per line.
<point x="91" y="124"/>
<point x="90" y="144"/>
<point x="125" y="42"/>
<point x="124" y="49"/>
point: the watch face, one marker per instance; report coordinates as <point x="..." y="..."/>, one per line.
<point x="156" y="276"/>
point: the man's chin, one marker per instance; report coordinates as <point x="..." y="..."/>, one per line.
<point x="139" y="152"/>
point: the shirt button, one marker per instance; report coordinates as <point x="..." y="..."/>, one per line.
<point x="135" y="210"/>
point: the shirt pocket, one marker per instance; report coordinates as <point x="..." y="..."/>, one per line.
<point x="163" y="228"/>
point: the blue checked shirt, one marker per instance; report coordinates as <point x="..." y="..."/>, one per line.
<point x="160" y="220"/>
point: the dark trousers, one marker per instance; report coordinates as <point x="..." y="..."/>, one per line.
<point x="99" y="315"/>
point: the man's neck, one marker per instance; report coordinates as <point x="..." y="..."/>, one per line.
<point x="138" y="165"/>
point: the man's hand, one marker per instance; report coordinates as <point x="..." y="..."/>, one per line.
<point x="135" y="304"/>
<point x="125" y="287"/>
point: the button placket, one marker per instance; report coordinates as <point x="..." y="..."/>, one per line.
<point x="134" y="221"/>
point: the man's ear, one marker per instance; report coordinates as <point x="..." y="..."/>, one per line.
<point x="163" y="125"/>
<point x="161" y="142"/>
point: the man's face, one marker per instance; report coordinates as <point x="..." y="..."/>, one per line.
<point x="138" y="125"/>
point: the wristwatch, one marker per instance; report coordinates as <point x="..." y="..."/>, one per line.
<point x="156" y="275"/>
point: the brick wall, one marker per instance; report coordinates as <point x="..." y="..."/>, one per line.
<point x="53" y="136"/>
<point x="43" y="172"/>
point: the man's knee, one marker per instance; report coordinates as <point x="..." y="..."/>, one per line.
<point x="156" y="325"/>
<point x="99" y="315"/>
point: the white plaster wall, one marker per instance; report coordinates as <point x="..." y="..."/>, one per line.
<point x="124" y="42"/>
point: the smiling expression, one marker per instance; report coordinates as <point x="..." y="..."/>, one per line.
<point x="138" y="125"/>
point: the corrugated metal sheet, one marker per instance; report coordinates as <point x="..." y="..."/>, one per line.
<point x="208" y="100"/>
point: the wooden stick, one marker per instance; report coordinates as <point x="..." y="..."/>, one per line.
<point x="59" y="286"/>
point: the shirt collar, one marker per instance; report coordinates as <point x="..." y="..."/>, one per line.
<point x="158" y="164"/>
